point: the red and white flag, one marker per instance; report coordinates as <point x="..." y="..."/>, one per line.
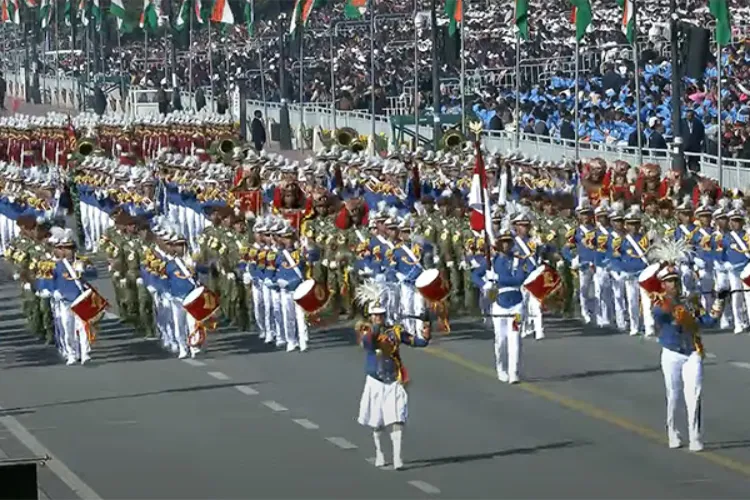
<point x="222" y="13"/>
<point x="480" y="218"/>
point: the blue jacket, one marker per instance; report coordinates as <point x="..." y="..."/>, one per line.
<point x="180" y="284"/>
<point x="383" y="367"/>
<point x="672" y="336"/>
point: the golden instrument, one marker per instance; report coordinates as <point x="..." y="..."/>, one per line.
<point x="348" y="138"/>
<point x="85" y="147"/>
<point x="224" y="146"/>
<point x="452" y="139"/>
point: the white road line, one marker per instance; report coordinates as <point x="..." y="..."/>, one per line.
<point x="194" y="362"/>
<point x="306" y="423"/>
<point x="273" y="405"/>
<point x="740" y="364"/>
<point x="710" y="355"/>
<point x="218" y="375"/>
<point x="66" y="475"/>
<point x="342" y="443"/>
<point x="246" y="390"/>
<point x="121" y="422"/>
<point x="425" y="487"/>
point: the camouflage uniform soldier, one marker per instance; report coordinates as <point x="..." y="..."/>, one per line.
<point x="19" y="252"/>
<point x="111" y="244"/>
<point x="143" y="249"/>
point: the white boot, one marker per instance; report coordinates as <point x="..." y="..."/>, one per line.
<point x="379" y="457"/>
<point x="396" y="435"/>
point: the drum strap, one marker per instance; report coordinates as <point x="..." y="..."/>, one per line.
<point x="73" y="274"/>
<point x="386" y="242"/>
<point x="603" y="229"/>
<point x="686" y="233"/>
<point x="410" y="253"/>
<point x="637" y="247"/>
<point x="740" y="242"/>
<point x="294" y="265"/>
<point x="359" y="236"/>
<point x="526" y="250"/>
<point x="184" y="270"/>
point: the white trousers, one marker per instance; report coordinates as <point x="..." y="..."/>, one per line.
<point x="258" y="308"/>
<point x="289" y="319"/>
<point x="602" y="292"/>
<point x="75" y="339"/>
<point x="721" y="282"/>
<point x="683" y="377"/>
<point x="740" y="301"/>
<point x="533" y="322"/>
<point x="412" y="304"/>
<point x="507" y="340"/>
<point x="619" y="302"/>
<point x="184" y="324"/>
<point x="586" y="292"/>
<point x="269" y="325"/>
<point x="638" y="302"/>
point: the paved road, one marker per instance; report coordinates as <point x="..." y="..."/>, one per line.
<point x="245" y="421"/>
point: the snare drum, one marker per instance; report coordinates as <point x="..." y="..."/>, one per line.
<point x="311" y="296"/>
<point x="201" y="303"/>
<point x="432" y="286"/>
<point x="89" y="306"/>
<point x="542" y="281"/>
<point x="649" y="281"/>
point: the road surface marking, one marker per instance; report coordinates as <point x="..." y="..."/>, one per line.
<point x="740" y="364"/>
<point x="425" y="487"/>
<point x="588" y="409"/>
<point x="218" y="375"/>
<point x="710" y="355"/>
<point x="273" y="405"/>
<point x="194" y="362"/>
<point x="121" y="422"/>
<point x="246" y="390"/>
<point x="306" y="424"/>
<point x="67" y="476"/>
<point x="342" y="443"/>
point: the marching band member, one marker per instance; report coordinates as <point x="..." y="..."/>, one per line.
<point x="632" y="254"/>
<point x="385" y="402"/>
<point x="527" y="249"/>
<point x="602" y="281"/>
<point x="583" y="242"/>
<point x="290" y="267"/>
<point x="736" y="255"/>
<point x="682" y="354"/>
<point x="720" y="218"/>
<point x="686" y="230"/>
<point x="503" y="283"/>
<point x="407" y="265"/>
<point x="66" y="284"/>
<point x="703" y="261"/>
<point x="617" y="276"/>
<point x="182" y="281"/>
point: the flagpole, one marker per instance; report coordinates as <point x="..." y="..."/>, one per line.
<point x="263" y="84"/>
<point x="301" y="86"/>
<point x="416" y="78"/>
<point x="576" y="111"/>
<point x="718" y="106"/>
<point x="636" y="63"/>
<point x="463" y="71"/>
<point x="331" y="34"/>
<point x="190" y="55"/>
<point x="518" y="90"/>
<point x="211" y="67"/>
<point x="372" y="73"/>
<point x="57" y="50"/>
<point x="145" y="48"/>
<point x="123" y="97"/>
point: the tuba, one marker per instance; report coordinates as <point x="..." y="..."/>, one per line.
<point x="85" y="147"/>
<point x="453" y="139"/>
<point x="346" y="137"/>
<point x="357" y="145"/>
<point x="224" y="147"/>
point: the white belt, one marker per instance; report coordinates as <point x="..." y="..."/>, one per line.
<point x="508" y="289"/>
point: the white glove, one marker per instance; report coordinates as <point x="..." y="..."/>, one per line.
<point x="230" y="276"/>
<point x="16" y="277"/>
<point x="333" y="264"/>
<point x="560" y="264"/>
<point x="44" y="294"/>
<point x="490" y="276"/>
<point x="109" y="268"/>
<point x="139" y="281"/>
<point x="449" y="264"/>
<point x="488" y="285"/>
<point x="116" y="274"/>
<point x="462" y="265"/>
<point x="400" y="276"/>
<point x="151" y="289"/>
<point x="57" y="295"/>
<point x="282" y="283"/>
<point x="123" y="282"/>
<point x="78" y="267"/>
<point x="267" y="282"/>
<point x="27" y="287"/>
<point x="247" y="278"/>
<point x="436" y="259"/>
<point x="324" y="262"/>
<point x="700" y="263"/>
<point x="575" y="264"/>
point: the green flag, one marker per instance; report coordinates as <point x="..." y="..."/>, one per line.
<point x="454" y="11"/>
<point x="355" y="9"/>
<point x="581" y="17"/>
<point x="522" y="18"/>
<point x="720" y="11"/>
<point x="117" y="9"/>
<point x="628" y="19"/>
<point x="250" y="16"/>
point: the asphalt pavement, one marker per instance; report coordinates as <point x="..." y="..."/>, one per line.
<point x="247" y="421"/>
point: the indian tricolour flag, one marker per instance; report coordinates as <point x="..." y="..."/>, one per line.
<point x="45" y="13"/>
<point x="222" y="13"/>
<point x="150" y="15"/>
<point x="302" y="10"/>
<point x="628" y="19"/>
<point x="117" y="9"/>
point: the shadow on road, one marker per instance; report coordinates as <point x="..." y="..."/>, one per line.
<point x="434" y="462"/>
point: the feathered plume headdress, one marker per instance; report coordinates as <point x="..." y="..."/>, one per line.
<point x="670" y="252"/>
<point x="371" y="296"/>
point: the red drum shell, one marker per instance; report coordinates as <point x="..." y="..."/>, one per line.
<point x="89" y="305"/>
<point x="432" y="286"/>
<point x="311" y="296"/>
<point x="201" y="303"/>
<point x="745" y="276"/>
<point x="649" y="281"/>
<point x="542" y="281"/>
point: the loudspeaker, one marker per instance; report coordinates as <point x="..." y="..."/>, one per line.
<point x="18" y="481"/>
<point x="697" y="52"/>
